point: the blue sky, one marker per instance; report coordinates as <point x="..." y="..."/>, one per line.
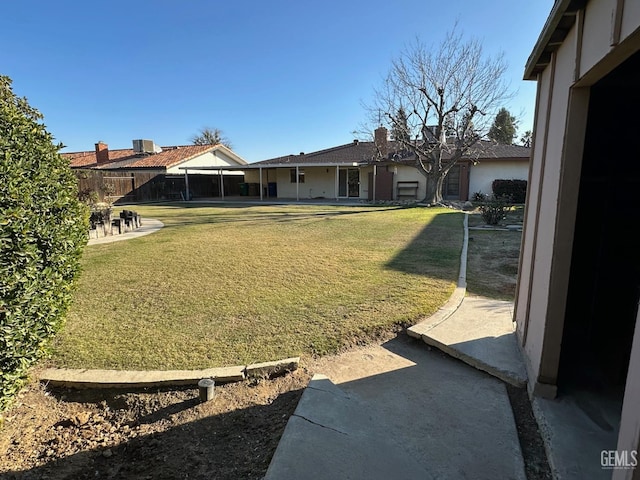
<point x="277" y="77"/>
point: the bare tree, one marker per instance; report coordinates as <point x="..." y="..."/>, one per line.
<point x="450" y="95"/>
<point x="210" y="136"/>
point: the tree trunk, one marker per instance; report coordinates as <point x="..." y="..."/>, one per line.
<point x="434" y="175"/>
<point x="434" y="188"/>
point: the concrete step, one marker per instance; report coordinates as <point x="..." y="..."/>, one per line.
<point x="481" y="333"/>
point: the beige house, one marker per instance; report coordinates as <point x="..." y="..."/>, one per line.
<point x="380" y="170"/>
<point x="579" y="282"/>
<point x="150" y="172"/>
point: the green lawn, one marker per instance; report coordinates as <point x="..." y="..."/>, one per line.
<point x="230" y="285"/>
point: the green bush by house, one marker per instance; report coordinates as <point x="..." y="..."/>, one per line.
<point x="43" y="229"/>
<point x="516" y="190"/>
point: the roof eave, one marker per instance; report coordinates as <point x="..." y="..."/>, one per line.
<point x="232" y="154"/>
<point x="256" y="166"/>
<point x="552" y="35"/>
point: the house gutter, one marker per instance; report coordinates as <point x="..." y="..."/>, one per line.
<point x="301" y="165"/>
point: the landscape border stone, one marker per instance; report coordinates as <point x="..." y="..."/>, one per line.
<point x="451" y="305"/>
<point x="88" y="378"/>
<point x="272" y="369"/>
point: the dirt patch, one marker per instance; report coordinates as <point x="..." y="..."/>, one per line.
<point x="531" y="443"/>
<point x="151" y="434"/>
<point x="59" y="433"/>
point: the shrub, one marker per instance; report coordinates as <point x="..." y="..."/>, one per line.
<point x="43" y="228"/>
<point x="479" y="197"/>
<point x="515" y="189"/>
<point x="88" y="196"/>
<point x="494" y="209"/>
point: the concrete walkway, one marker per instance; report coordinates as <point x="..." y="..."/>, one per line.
<point x="149" y="225"/>
<point x="481" y="333"/>
<point x="403" y="410"/>
<point x="399" y="410"/>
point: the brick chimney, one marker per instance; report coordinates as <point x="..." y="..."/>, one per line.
<point x="102" y="153"/>
<point x="380" y="139"/>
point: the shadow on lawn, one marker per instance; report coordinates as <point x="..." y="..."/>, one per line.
<point x="230" y="445"/>
<point x="283" y="215"/>
<point x="435" y="251"/>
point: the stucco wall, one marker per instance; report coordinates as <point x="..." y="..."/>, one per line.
<point x="598" y="25"/>
<point x="208" y="159"/>
<point x="253" y="176"/>
<point x="268" y="176"/>
<point x="538" y="248"/>
<point x="597" y="33"/>
<point x="533" y="287"/>
<point x="482" y="175"/>
<point x="529" y="233"/>
<point x="319" y="182"/>
<point x="630" y="18"/>
<point x="405" y="173"/>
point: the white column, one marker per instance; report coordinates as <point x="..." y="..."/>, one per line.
<point x="186" y="183"/>
<point x="297" y="183"/>
<point x="261" y="184"/>
<point x="221" y="184"/>
<point x="375" y="172"/>
<point x="337" y="181"/>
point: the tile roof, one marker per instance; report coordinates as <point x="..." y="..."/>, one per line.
<point x="363" y="152"/>
<point x="490" y="150"/>
<point x="127" y="158"/>
<point x="355" y="152"/>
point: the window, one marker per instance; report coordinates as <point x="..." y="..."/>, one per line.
<point x="292" y="175"/>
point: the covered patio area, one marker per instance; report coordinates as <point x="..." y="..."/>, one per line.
<point x="339" y="182"/>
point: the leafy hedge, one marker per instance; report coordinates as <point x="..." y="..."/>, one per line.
<point x="514" y="189"/>
<point x="494" y="209"/>
<point x="43" y="229"/>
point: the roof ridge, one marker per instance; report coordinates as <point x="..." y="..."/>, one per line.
<point x="331" y="149"/>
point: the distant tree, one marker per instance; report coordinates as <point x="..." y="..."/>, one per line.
<point x="503" y="129"/>
<point x="210" y="136"/>
<point x="400" y="130"/>
<point x="43" y="229"/>
<point x="525" y="139"/>
<point x="448" y="92"/>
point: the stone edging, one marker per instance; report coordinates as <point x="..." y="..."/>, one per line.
<point x="83" y="378"/>
<point x="444" y="312"/>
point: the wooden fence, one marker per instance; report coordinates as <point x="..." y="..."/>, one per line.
<point x="118" y="186"/>
<point x="144" y="186"/>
